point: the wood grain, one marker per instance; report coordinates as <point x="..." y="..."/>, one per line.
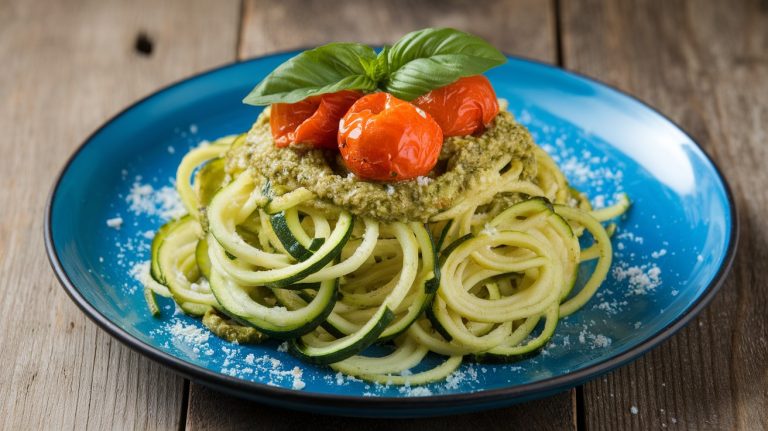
<point x="209" y="410"/>
<point x="67" y="67"/>
<point x="705" y="64"/>
<point x="523" y="27"/>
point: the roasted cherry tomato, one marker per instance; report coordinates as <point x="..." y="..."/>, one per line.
<point x="314" y="121"/>
<point x="384" y="138"/>
<point x="463" y="108"/>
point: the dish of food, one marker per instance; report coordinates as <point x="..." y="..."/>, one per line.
<point x="349" y="219"/>
<point x="433" y="249"/>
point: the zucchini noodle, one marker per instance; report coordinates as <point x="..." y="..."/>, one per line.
<point x="486" y="279"/>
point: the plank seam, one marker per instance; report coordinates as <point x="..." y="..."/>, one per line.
<point x="579" y="412"/>
<point x="184" y="406"/>
<point x="559" y="57"/>
<point x="581" y="418"/>
<point x="240" y="31"/>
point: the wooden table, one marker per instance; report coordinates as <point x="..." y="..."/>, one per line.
<point x="68" y="66"/>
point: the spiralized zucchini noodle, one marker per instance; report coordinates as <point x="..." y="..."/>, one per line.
<point x="479" y="281"/>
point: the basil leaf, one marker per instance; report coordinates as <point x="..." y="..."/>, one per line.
<point x="381" y="71"/>
<point x="326" y="69"/>
<point x="427" y="59"/>
<point x="418" y="63"/>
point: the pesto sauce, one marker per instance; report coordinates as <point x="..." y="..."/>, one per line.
<point x="466" y="163"/>
<point x="230" y="330"/>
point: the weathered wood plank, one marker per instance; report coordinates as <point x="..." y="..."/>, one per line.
<point x="705" y="64"/>
<point x="523" y="27"/>
<point x="209" y="410"/>
<point x="67" y="67"/>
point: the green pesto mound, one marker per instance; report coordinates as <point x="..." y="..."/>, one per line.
<point x="466" y="163"/>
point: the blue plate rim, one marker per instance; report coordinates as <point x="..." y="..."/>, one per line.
<point x="296" y="399"/>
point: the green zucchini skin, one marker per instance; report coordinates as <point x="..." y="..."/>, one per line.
<point x="151" y="299"/>
<point x="428" y="290"/>
<point x="443" y="235"/>
<point x="285" y="283"/>
<point x="211" y="178"/>
<point x="332" y="330"/>
<point x="452" y="246"/>
<point x="286" y="237"/>
<point x="201" y="256"/>
<point x="363" y="341"/>
<point x="429" y="312"/>
<point x="316" y="244"/>
<point x="157" y="241"/>
<point x="163" y="258"/>
<point x="280" y="330"/>
<point x="433" y="283"/>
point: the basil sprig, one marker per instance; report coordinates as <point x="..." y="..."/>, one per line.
<point x="419" y="62"/>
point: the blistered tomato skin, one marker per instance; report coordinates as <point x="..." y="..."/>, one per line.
<point x="314" y="121"/>
<point x="383" y="138"/>
<point x="463" y="108"/>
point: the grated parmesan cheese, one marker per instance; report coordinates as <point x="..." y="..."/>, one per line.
<point x="140" y="272"/>
<point x="489" y="230"/>
<point x="423" y="181"/>
<point x="298" y="384"/>
<point x="595" y="341"/>
<point x="418" y="391"/>
<point x="641" y="278"/>
<point x="601" y="341"/>
<point x="115" y="222"/>
<point x="189" y="333"/>
<point x="165" y="202"/>
<point x="598" y="201"/>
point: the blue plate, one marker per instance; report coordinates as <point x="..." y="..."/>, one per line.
<point x="672" y="250"/>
